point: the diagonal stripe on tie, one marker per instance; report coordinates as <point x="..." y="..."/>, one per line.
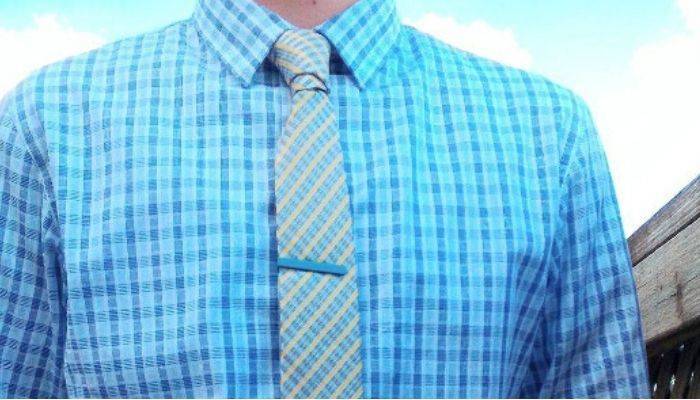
<point x="310" y="142"/>
<point x="320" y="342"/>
<point x="311" y="222"/>
<point x="322" y="333"/>
<point x="306" y="176"/>
<point x="302" y="104"/>
<point x="322" y="179"/>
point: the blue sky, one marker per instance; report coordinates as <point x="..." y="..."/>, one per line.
<point x="634" y="61"/>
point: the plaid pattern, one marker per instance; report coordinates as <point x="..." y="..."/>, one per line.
<point x="319" y="338"/>
<point x="137" y="232"/>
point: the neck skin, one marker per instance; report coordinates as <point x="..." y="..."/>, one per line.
<point x="307" y="14"/>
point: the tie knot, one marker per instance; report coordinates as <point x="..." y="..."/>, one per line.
<point x="302" y="57"/>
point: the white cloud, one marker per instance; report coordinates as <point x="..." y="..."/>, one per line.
<point x="47" y="41"/>
<point x="477" y="37"/>
<point x="691" y="12"/>
<point x="651" y="127"/>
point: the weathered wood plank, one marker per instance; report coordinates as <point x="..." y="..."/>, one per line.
<point x="668" y="285"/>
<point x="680" y="212"/>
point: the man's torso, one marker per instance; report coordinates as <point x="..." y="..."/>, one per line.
<point x="162" y="168"/>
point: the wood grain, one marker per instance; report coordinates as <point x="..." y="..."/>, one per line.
<point x="680" y="212"/>
<point x="668" y="285"/>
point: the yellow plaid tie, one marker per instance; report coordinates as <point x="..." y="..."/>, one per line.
<point x="319" y="336"/>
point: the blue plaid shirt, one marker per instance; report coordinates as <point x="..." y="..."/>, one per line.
<point x="137" y="227"/>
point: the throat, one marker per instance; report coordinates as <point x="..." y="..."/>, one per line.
<point x="306" y="14"/>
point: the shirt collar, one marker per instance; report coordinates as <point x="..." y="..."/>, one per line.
<point x="241" y="33"/>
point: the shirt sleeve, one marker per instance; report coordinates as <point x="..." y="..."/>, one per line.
<point x="32" y="328"/>
<point x="590" y="342"/>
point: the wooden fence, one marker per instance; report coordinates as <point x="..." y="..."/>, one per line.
<point x="666" y="257"/>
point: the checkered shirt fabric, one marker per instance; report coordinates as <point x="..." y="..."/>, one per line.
<point x="138" y="255"/>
